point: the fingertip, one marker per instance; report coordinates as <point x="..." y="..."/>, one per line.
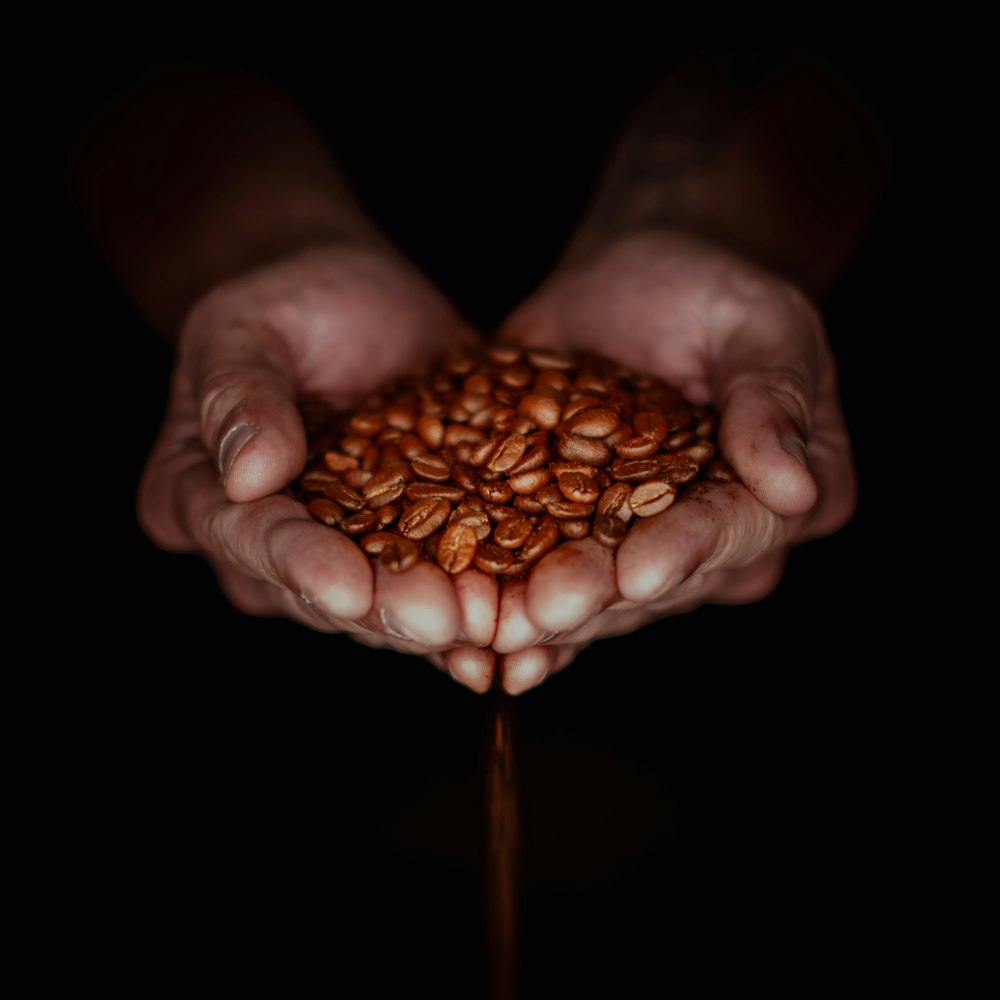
<point x="570" y="585"/>
<point x="261" y="450"/>
<point x="526" y="669"/>
<point x="419" y="604"/>
<point x="472" y="667"/>
<point x="325" y="568"/>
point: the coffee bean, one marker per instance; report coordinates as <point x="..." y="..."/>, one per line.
<point x="652" y="497"/>
<point x="609" y="530"/>
<point x="457" y="548"/>
<point x="423" y="518"/>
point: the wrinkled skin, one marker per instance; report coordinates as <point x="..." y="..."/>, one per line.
<point x="337" y="320"/>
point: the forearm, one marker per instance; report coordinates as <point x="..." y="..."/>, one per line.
<point x="786" y="171"/>
<point x="195" y="174"/>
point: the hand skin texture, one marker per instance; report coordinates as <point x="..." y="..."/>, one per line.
<point x="254" y="260"/>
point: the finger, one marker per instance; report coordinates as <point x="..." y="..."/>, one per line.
<point x="527" y="668"/>
<point x="766" y="381"/>
<point x="571" y="584"/>
<point x="515" y="628"/>
<point x="471" y="666"/>
<point x="478" y="596"/>
<point x="276" y="540"/>
<point x="417" y="606"/>
<point x="713" y="525"/>
<point x="244" y="380"/>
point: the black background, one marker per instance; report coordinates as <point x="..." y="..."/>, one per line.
<point x="731" y="797"/>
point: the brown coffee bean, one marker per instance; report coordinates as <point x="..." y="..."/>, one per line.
<point x="594" y="422"/>
<point x="498" y="492"/>
<point x="475" y="519"/>
<point x="549" y="493"/>
<point x="507" y="453"/>
<point x="651" y="424"/>
<point x="578" y="488"/>
<point x="314" y="480"/>
<point x="542" y="411"/>
<point x="614" y="502"/>
<point x="435" y="491"/>
<point x="516" y="376"/>
<point x="677" y="470"/>
<point x="637" y="447"/>
<point x="503" y="354"/>
<point x="533" y="459"/>
<point x="457" y="548"/>
<point x="433" y="467"/>
<point x="699" y="452"/>
<point x="327" y="511"/>
<point x="400" y="555"/>
<point x="549" y="360"/>
<point x="718" y="470"/>
<point x="609" y="530"/>
<point x="492" y="558"/>
<point x="580" y="403"/>
<point x="679" y="439"/>
<point x="360" y="523"/>
<point x="388" y="514"/>
<point x="368" y="422"/>
<point x="564" y="510"/>
<point x="337" y="461"/>
<point x="431" y="430"/>
<point x="455" y="434"/>
<point x="529" y="504"/>
<point x="577" y="448"/>
<point x="652" y="497"/>
<point x="542" y="539"/>
<point x="462" y="475"/>
<point x="559" y="468"/>
<point x="423" y="518"/>
<point x="375" y="543"/>
<point x="530" y="482"/>
<point x="384" y="487"/>
<point x="513" y="532"/>
<point x="634" y="471"/>
<point x="341" y="493"/>
<point x="574" y="529"/>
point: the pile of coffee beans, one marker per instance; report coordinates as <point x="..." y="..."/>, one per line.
<point x="492" y="458"/>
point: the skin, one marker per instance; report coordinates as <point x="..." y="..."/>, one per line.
<point x="271" y="284"/>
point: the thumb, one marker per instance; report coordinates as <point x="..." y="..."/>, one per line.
<point x="767" y="388"/>
<point x="243" y="377"/>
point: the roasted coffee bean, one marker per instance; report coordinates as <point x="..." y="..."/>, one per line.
<point x="530" y="482"/>
<point x="384" y="487"/>
<point x="566" y="511"/>
<point x="513" y="532"/>
<point x="609" y="530"/>
<point x="435" y="491"/>
<point x="492" y="458"/>
<point x="578" y="448"/>
<point x="594" y="422"/>
<point x="400" y="555"/>
<point x="574" y="529"/>
<point x="542" y="411"/>
<point x="327" y="511"/>
<point x="492" y="558"/>
<point x="423" y="518"/>
<point x="360" y="523"/>
<point x="614" y="502"/>
<point x="652" y="497"/>
<point x="578" y="488"/>
<point x="542" y="539"/>
<point x="457" y="548"/>
<point x="337" y="461"/>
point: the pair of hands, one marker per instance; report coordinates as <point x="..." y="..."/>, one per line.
<point x="336" y="320"/>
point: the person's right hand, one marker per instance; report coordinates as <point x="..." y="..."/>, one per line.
<point x="332" y="322"/>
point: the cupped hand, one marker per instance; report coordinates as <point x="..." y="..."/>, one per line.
<point x="332" y="322"/>
<point x="727" y="333"/>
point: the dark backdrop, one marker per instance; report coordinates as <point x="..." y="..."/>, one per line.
<point x="715" y="799"/>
